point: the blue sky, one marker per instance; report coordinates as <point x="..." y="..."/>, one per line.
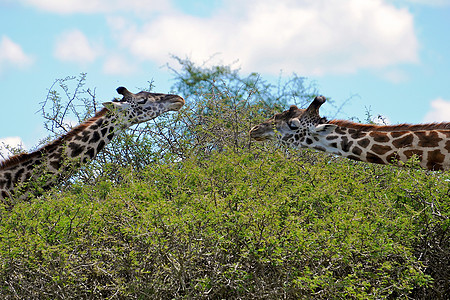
<point x="392" y="56"/>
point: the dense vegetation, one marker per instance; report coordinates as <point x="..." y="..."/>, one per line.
<point x="188" y="207"/>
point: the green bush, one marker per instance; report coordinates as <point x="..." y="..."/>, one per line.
<point x="245" y="224"/>
<point x="187" y="207"/>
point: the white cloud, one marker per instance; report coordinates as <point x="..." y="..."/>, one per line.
<point x="115" y="65"/>
<point x="73" y="46"/>
<point x="435" y="3"/>
<point x="395" y="75"/>
<point x="97" y="6"/>
<point x="14" y="142"/>
<point x="12" y="55"/>
<point x="440" y="111"/>
<point x="303" y="36"/>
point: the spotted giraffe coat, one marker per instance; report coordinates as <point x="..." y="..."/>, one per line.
<point x="304" y="128"/>
<point x="34" y="172"/>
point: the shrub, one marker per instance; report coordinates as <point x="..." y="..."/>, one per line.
<point x="244" y="224"/>
<point x="187" y="207"/>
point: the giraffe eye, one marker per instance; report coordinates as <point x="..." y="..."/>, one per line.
<point x="141" y="102"/>
<point x="293" y="124"/>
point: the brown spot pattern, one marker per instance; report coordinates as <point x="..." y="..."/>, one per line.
<point x="380" y="149"/>
<point x="340" y="130"/>
<point x="391" y="128"/>
<point x="393" y="157"/>
<point x="436" y="156"/>
<point x="345" y="144"/>
<point x="357" y="150"/>
<point x="356" y="134"/>
<point x="403" y="141"/>
<point x="437" y="167"/>
<point x="396" y="134"/>
<point x="428" y="140"/>
<point x="364" y="143"/>
<point x="380" y="137"/>
<point x="14" y="160"/>
<point x="354" y="157"/>
<point x="410" y="153"/>
<point x="372" y="158"/>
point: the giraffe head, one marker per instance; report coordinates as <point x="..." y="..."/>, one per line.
<point x="143" y="106"/>
<point x="293" y="126"/>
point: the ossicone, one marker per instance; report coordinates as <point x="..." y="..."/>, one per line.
<point x="124" y="92"/>
<point x="293" y="108"/>
<point x="318" y="101"/>
<point x="313" y="108"/>
<point x="292" y="111"/>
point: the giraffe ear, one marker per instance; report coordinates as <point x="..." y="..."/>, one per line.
<point x="323" y="129"/>
<point x="116" y="105"/>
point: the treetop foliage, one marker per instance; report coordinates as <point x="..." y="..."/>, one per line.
<point x="187" y="207"/>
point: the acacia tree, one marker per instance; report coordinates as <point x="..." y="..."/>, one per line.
<point x="201" y="215"/>
<point x="221" y="106"/>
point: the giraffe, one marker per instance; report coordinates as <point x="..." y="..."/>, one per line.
<point x="59" y="158"/>
<point x="304" y="128"/>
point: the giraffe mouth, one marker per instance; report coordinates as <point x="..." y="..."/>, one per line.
<point x="258" y="133"/>
<point x="176" y="102"/>
<point x="262" y="138"/>
<point x="258" y="138"/>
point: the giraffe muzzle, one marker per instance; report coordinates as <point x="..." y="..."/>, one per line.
<point x="175" y="102"/>
<point x="260" y="133"/>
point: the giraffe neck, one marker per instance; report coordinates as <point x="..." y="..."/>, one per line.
<point x="59" y="158"/>
<point x="384" y="144"/>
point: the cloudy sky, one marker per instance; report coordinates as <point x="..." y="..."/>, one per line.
<point x="391" y="56"/>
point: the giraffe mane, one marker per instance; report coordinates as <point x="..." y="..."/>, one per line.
<point x="16" y="159"/>
<point x="390" y="128"/>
